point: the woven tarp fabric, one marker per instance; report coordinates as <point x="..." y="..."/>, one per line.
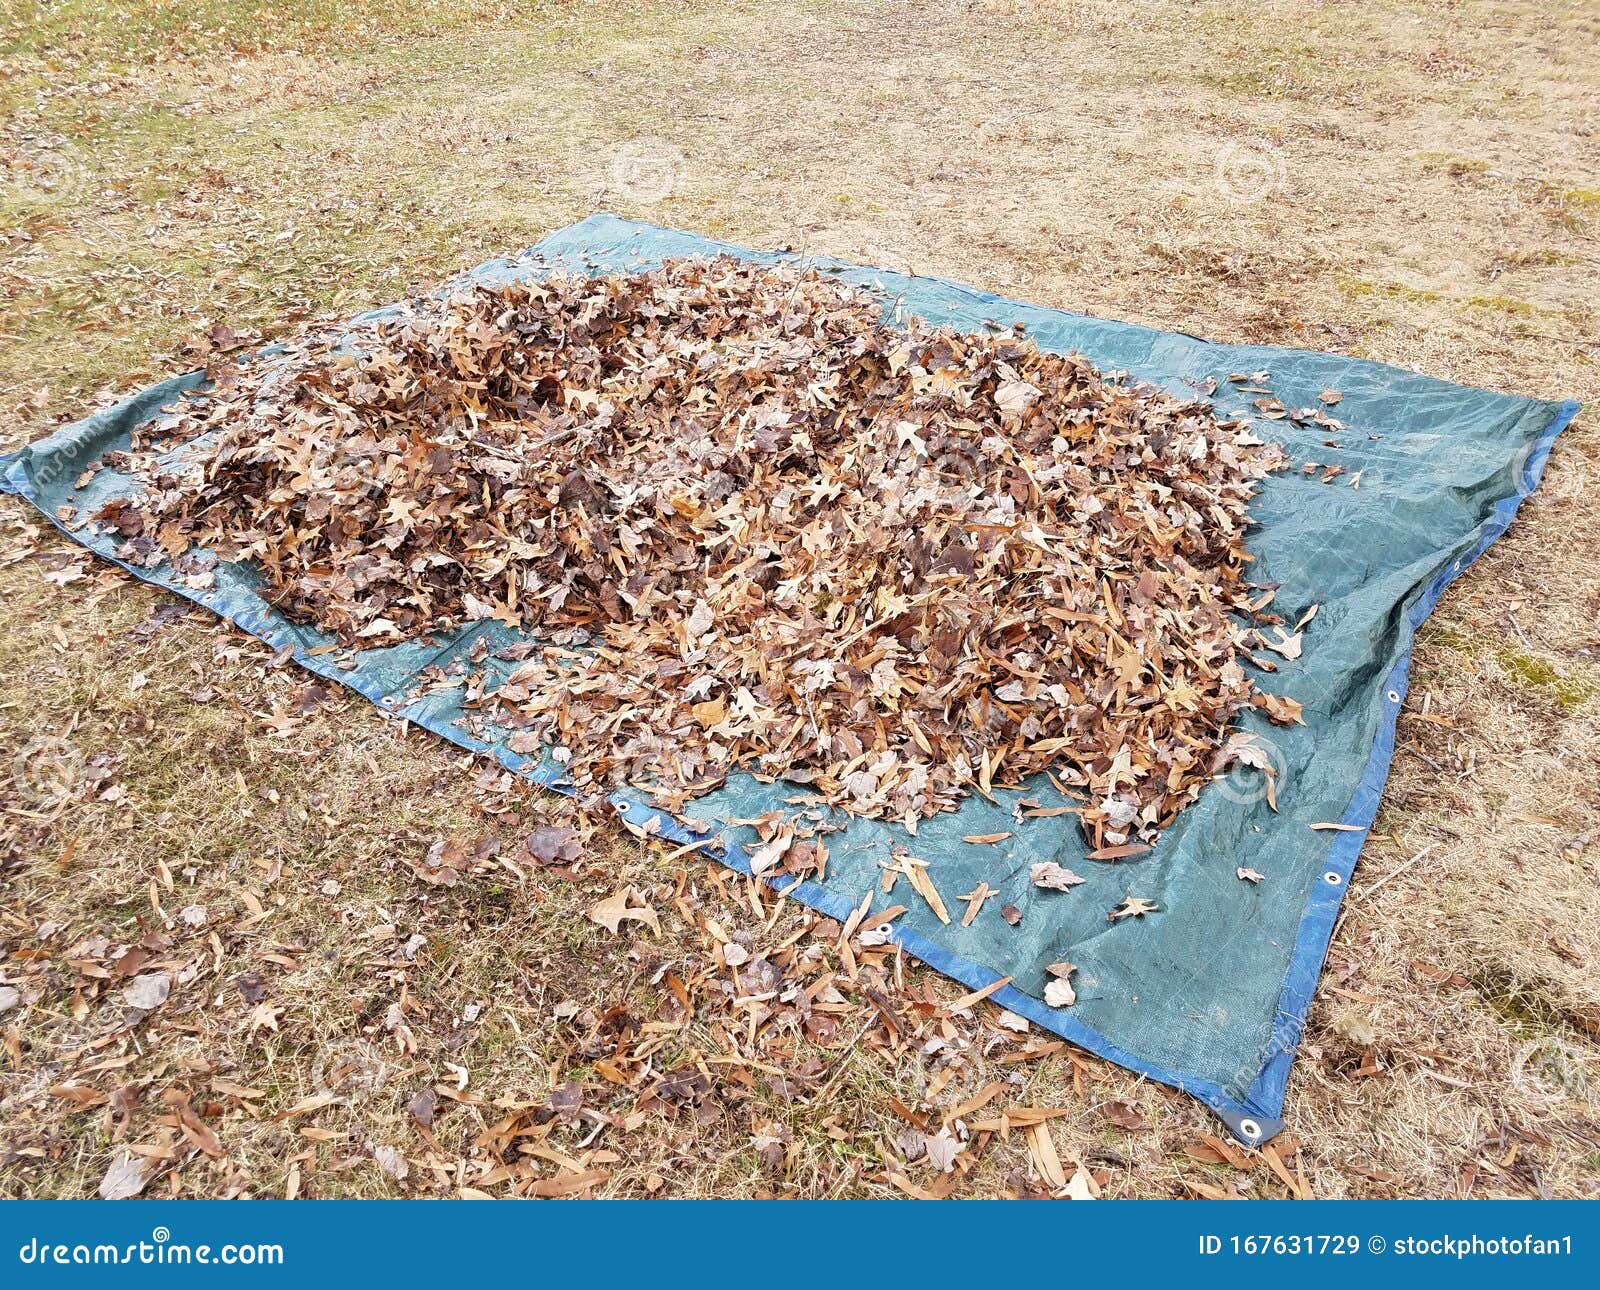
<point x="1210" y="992"/>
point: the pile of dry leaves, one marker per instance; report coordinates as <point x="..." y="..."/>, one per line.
<point x="751" y="524"/>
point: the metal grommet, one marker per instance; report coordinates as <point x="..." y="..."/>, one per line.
<point x="1331" y="878"/>
<point x="1394" y="696"/>
<point x="1249" y="1129"/>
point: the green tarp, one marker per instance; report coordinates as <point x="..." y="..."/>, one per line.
<point x="1209" y="994"/>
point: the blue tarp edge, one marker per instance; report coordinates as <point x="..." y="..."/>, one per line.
<point x="1266" y="1095"/>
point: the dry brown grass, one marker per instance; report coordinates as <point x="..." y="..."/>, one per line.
<point x="1432" y="210"/>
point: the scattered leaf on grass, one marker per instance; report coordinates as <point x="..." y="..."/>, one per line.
<point x="148" y="990"/>
<point x="942" y="1149"/>
<point x="553" y="844"/>
<point x="616" y="909"/>
<point x="124" y="1179"/>
<point x="1124" y="1115"/>
<point x="423" y="1106"/>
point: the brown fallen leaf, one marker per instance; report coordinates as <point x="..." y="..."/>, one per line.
<point x="917" y="872"/>
<point x="621" y="906"/>
<point x="1284" y="712"/>
<point x="975" y="900"/>
<point x="1119" y="852"/>
<point x="1045" y="1160"/>
<point x="977" y="996"/>
<point x="423" y="1106"/>
<point x="553" y="844"/>
<point x="1438" y="975"/>
<point x="1124" y="1115"/>
<point x="1053" y="877"/>
<point x="1209" y="1149"/>
<point x="1058" y="993"/>
<point x="124" y="1178"/>
<point x="1287" y="644"/>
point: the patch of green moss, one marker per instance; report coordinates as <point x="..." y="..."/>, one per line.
<point x="1530" y="1008"/>
<point x="1453" y="165"/>
<point x="1353" y="286"/>
<point x="1539" y="257"/>
<point x="1441" y="635"/>
<point x="1504" y="304"/>
<point x="1535" y="673"/>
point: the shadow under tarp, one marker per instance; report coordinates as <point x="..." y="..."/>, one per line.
<point x="1210" y="993"/>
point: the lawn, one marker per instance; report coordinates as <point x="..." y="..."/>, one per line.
<point x="383" y="983"/>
